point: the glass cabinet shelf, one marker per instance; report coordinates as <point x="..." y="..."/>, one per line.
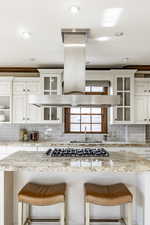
<point x="123" y="89"/>
<point x="51" y="86"/>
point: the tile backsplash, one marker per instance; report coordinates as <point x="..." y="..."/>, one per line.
<point x="125" y="133"/>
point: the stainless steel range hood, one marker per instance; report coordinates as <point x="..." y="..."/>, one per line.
<point x="74" y="76"/>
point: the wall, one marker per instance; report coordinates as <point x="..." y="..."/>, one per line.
<point x="128" y="133"/>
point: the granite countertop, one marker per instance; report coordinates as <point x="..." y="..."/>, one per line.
<point x="68" y="144"/>
<point x="38" y="161"/>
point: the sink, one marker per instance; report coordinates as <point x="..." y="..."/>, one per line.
<point x="86" y="142"/>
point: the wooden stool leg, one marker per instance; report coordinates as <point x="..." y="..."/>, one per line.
<point x="20" y="213"/>
<point x="87" y="213"/>
<point x="62" y="217"/>
<point x="129" y="214"/>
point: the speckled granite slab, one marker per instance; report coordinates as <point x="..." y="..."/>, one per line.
<point x="39" y="161"/>
<point x="68" y="144"/>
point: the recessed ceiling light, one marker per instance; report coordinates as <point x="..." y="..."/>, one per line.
<point x="32" y="59"/>
<point x="125" y="60"/>
<point x="103" y="38"/>
<point x="74" y="9"/>
<point x="111" y="16"/>
<point x="25" y="35"/>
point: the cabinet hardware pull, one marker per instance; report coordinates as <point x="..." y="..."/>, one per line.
<point x="23" y="89"/>
<point x="23" y="118"/>
<point x="145" y="119"/>
<point x="28" y="118"/>
<point x="145" y="90"/>
<point x="28" y="89"/>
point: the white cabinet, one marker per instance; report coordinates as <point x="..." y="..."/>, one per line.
<point x="22" y="111"/>
<point x="51" y="85"/>
<point x="5" y="86"/>
<point x="6" y="99"/>
<point x="142" y="101"/>
<point x="142" y="86"/>
<point x="26" y="86"/>
<point x="123" y="85"/>
<point x="141" y="109"/>
<point x="19" y="108"/>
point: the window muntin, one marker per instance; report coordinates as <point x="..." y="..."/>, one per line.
<point x="93" y="120"/>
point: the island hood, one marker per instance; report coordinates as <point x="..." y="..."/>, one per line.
<point x="74" y="76"/>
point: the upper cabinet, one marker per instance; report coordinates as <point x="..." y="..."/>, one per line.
<point x="5" y="100"/>
<point x="142" y="101"/>
<point x="123" y="85"/>
<point x="26" y="86"/>
<point x="51" y="85"/>
<point x="22" y="111"/>
<point x="142" y="86"/>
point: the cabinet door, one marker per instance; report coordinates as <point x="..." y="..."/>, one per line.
<point x="19" y="87"/>
<point x="5" y="87"/>
<point x="51" y="86"/>
<point x="33" y="113"/>
<point x="141" y="86"/>
<point x="148" y="88"/>
<point x="148" y="105"/>
<point x="124" y="87"/>
<point x="33" y="87"/>
<point x="141" y="109"/>
<point x="19" y="109"/>
<point x="51" y="114"/>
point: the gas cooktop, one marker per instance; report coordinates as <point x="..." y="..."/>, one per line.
<point x="77" y="152"/>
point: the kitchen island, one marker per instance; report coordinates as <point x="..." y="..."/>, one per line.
<point x="22" y="167"/>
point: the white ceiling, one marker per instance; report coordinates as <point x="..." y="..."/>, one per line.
<point x="45" y="18"/>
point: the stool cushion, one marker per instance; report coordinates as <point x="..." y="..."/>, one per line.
<point x="39" y="194"/>
<point x="107" y="195"/>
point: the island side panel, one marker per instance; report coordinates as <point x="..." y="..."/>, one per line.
<point x="143" y="198"/>
<point x="6" y="198"/>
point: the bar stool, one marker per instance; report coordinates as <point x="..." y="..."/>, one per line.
<point x="41" y="195"/>
<point x="108" y="195"/>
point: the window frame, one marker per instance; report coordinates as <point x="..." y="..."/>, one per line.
<point x="104" y="116"/>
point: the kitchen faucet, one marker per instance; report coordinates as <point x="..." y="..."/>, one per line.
<point x="85" y="135"/>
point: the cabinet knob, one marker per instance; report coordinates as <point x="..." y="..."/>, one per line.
<point x="28" y="118"/>
<point x="24" y="90"/>
<point x="23" y="118"/>
<point x="145" y="119"/>
<point x="28" y="90"/>
<point x="145" y="90"/>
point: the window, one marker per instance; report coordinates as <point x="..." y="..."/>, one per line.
<point x="93" y="120"/>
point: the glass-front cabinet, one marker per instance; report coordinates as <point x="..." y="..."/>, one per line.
<point x="51" y="81"/>
<point x="124" y="87"/>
